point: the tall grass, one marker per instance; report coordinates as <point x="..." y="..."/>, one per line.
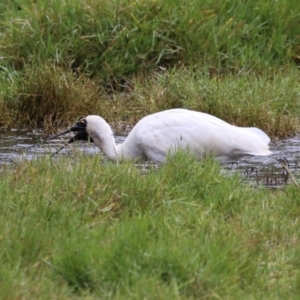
<point x="118" y="38"/>
<point x="60" y="60"/>
<point x="77" y="228"/>
<point x="49" y="96"/>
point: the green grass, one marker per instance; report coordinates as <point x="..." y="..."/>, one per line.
<point x="51" y="97"/>
<point x="61" y="60"/>
<point x="83" y="228"/>
<point x="79" y="229"/>
<point x="118" y="38"/>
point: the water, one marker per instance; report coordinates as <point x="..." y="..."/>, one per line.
<point x="16" y="145"/>
<point x="267" y="170"/>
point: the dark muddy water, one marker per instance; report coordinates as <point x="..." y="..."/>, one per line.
<point x="16" y="145"/>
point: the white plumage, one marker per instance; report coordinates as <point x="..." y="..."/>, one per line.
<point x="157" y="135"/>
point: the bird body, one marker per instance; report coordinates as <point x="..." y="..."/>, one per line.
<point x="159" y="134"/>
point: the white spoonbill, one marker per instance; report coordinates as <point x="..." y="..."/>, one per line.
<point x="157" y="135"/>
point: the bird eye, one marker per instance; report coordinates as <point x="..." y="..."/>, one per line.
<point x="81" y="123"/>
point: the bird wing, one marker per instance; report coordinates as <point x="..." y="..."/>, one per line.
<point x="201" y="133"/>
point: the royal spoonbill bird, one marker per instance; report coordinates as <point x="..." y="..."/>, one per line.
<point x="162" y="133"/>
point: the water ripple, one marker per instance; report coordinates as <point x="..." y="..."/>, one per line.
<point x="16" y="145"/>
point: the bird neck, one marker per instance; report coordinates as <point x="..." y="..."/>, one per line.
<point x="106" y="142"/>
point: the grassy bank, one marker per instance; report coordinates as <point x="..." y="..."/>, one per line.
<point x="78" y="229"/>
<point x="51" y="97"/>
<point x="124" y="59"/>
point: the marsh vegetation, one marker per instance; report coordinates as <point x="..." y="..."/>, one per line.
<point x="78" y="227"/>
<point x="238" y="60"/>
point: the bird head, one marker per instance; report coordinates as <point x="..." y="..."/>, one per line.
<point x="80" y="127"/>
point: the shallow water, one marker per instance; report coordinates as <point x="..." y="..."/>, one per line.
<point x="16" y="145"/>
<point x="267" y="170"/>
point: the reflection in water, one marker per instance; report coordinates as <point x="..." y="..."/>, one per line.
<point x="267" y="170"/>
<point x="21" y="144"/>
